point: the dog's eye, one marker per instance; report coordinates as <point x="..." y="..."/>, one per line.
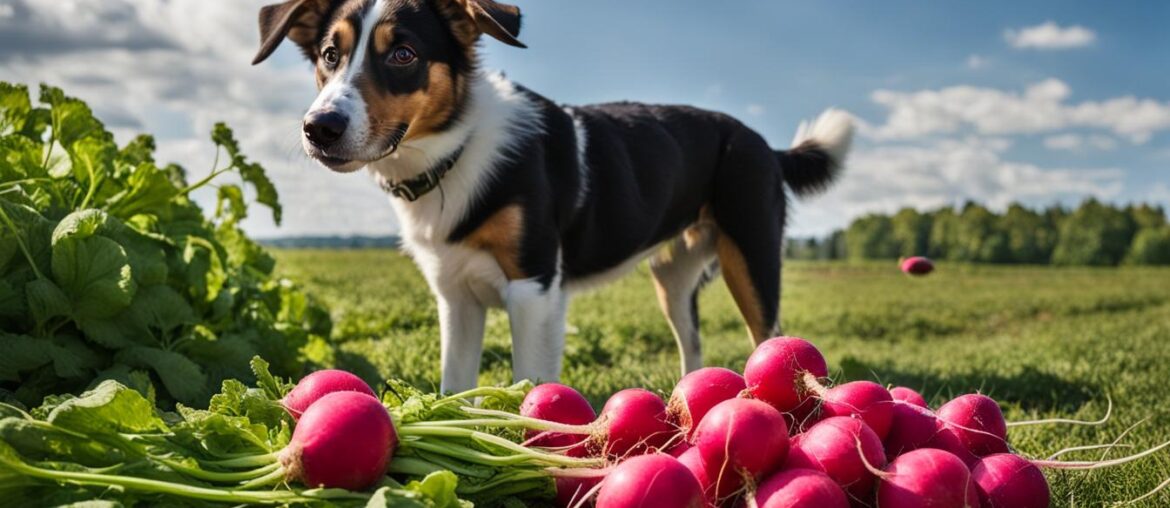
<point x="402" y="55"/>
<point x="330" y="56"/>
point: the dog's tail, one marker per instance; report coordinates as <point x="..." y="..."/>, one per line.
<point x="818" y="152"/>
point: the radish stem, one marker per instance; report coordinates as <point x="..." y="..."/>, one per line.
<point x="1066" y="421"/>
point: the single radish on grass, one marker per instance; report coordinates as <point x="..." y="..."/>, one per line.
<point x="865" y="399"/>
<point x="927" y="478"/>
<point x="901" y="393"/>
<point x="800" y="488"/>
<point x="697" y="392"/>
<point x="741" y="439"/>
<point x="917" y="265"/>
<point x="344" y="440"/>
<point x="321" y="383"/>
<point x="1009" y="481"/>
<point x="647" y="481"/>
<point x="776" y="372"/>
<point x="555" y="402"/>
<point x="978" y="423"/>
<point x="633" y="422"/>
<point x="842" y="447"/>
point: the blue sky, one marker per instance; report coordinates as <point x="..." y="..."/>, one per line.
<point x="994" y="101"/>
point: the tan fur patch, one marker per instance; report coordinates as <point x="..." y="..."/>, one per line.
<point x="500" y="235"/>
<point x="425" y="111"/>
<point x="739" y="282"/>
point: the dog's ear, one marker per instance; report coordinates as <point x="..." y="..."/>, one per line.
<point x="299" y="20"/>
<point x="498" y="20"/>
<point x="470" y="18"/>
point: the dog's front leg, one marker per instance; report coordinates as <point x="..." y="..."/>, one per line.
<point x="537" y="317"/>
<point x="461" y="320"/>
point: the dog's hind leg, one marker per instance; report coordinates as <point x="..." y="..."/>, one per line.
<point x="537" y="316"/>
<point x="680" y="271"/>
<point x="749" y="207"/>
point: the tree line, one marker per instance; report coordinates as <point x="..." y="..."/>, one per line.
<point x="1093" y="234"/>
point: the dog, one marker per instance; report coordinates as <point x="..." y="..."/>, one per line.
<point x="507" y="199"/>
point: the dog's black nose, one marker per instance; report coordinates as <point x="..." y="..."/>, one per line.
<point x="324" y="129"/>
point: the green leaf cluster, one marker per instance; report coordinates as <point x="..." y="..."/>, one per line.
<point x="111" y="446"/>
<point x="109" y="271"/>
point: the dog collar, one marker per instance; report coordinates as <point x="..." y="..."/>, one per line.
<point x="413" y="188"/>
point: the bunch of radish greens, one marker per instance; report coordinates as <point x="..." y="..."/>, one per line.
<point x="329" y="441"/>
<point x="110" y="270"/>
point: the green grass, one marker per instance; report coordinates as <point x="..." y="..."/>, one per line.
<point x="1045" y="342"/>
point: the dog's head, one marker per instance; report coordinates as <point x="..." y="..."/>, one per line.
<point x="388" y="71"/>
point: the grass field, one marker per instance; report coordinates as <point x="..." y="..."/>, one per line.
<point x="1045" y="342"/>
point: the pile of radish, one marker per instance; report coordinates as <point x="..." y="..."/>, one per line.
<point x="778" y="437"/>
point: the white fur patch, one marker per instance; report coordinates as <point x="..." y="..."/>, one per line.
<point x="341" y="94"/>
<point x="832" y="131"/>
<point x="582" y="164"/>
<point x="497" y="119"/>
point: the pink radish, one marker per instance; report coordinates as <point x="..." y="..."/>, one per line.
<point x="865" y="399"/>
<point x="697" y="392"/>
<point x="901" y="393"/>
<point x="1009" y="481"/>
<point x="927" y="478"/>
<point x="915" y="427"/>
<point x="650" y="481"/>
<point x="776" y="371"/>
<point x="634" y="422"/>
<point x="842" y="447"/>
<point x="321" y="383"/>
<point x="911" y="428"/>
<point x="558" y="403"/>
<point x="572" y="490"/>
<point x="741" y="438"/>
<point x="978" y="423"/>
<point x="694" y="462"/>
<point x="917" y="265"/>
<point x="800" y="488"/>
<point x="344" y="440"/>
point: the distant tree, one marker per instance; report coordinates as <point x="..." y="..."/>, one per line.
<point x="871" y="237"/>
<point x="1029" y="237"/>
<point x="944" y="226"/>
<point x="1095" y="235"/>
<point x="1151" y="246"/>
<point x="978" y="236"/>
<point x="1147" y="216"/>
<point x="834" y="246"/>
<point x="911" y="232"/>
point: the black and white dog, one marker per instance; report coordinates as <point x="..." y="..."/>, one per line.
<point x="507" y="199"/>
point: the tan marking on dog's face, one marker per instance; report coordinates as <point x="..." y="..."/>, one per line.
<point x="500" y="236"/>
<point x="424" y="111"/>
<point x="342" y="36"/>
<point x="739" y="282"/>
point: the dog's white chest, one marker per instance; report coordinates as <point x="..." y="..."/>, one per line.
<point x="457" y="268"/>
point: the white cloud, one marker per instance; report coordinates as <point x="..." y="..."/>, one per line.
<point x="1079" y="143"/>
<point x="1049" y="35"/>
<point x="1159" y="193"/>
<point x="947" y="172"/>
<point x="179" y="84"/>
<point x="756" y="110"/>
<point x="976" y="62"/>
<point x="1041" y="108"/>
